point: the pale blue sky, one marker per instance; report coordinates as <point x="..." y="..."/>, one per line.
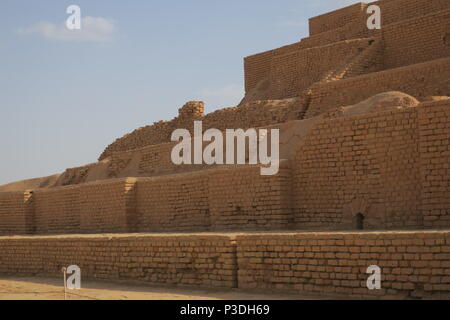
<point x="63" y="100"/>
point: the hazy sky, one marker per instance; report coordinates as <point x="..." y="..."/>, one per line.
<point x="65" y="96"/>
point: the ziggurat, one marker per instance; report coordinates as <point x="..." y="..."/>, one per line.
<point x="364" y="118"/>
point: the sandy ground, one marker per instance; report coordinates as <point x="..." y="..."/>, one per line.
<point x="52" y="289"/>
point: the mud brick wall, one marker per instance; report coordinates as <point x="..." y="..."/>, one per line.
<point x="181" y="260"/>
<point x="254" y="114"/>
<point x="336" y="19"/>
<point x="413" y="264"/>
<point x="157" y="158"/>
<point x="361" y="164"/>
<point x="13" y="218"/>
<point x="107" y="206"/>
<point x="173" y="203"/>
<point x="393" y="11"/>
<point x="412" y="31"/>
<point x="416" y="40"/>
<point x="247" y="115"/>
<point x="152" y="159"/>
<point x="369" y="61"/>
<point x="234" y="198"/>
<point x="242" y="199"/>
<point x="349" y="31"/>
<point x="220" y="198"/>
<point x="434" y="135"/>
<point x="292" y="73"/>
<point x="420" y="80"/>
<point x="56" y="210"/>
<point x="257" y="68"/>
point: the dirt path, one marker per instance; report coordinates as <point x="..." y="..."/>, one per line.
<point x="32" y="288"/>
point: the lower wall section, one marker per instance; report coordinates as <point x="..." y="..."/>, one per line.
<point x="183" y="260"/>
<point x="13" y="212"/>
<point x="413" y="264"/>
<point x="434" y="119"/>
<point x="419" y="80"/>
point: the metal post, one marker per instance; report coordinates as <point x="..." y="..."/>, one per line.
<point x="64" y="270"/>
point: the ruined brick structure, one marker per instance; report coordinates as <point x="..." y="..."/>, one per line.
<point x="364" y="118"/>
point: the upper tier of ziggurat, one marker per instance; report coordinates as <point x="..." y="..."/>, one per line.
<point x="364" y="120"/>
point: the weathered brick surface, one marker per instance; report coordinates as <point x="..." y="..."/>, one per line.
<point x="337" y="65"/>
<point x="412" y="32"/>
<point x="180" y="260"/>
<point x="413" y="264"/>
<point x="336" y="19"/>
<point x="242" y="199"/>
<point x="361" y="164"/>
<point x="391" y="167"/>
<point x="217" y="199"/>
<point x="434" y="142"/>
<point x="57" y="210"/>
<point x="420" y="81"/>
<point x="393" y="11"/>
<point x="222" y="198"/>
<point x="174" y="203"/>
<point x="248" y="115"/>
<point x="107" y="207"/>
<point x="292" y="73"/>
<point x="416" y="40"/>
<point x="13" y="219"/>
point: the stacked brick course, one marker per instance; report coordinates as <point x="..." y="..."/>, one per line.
<point x="292" y="73"/>
<point x="413" y="264"/>
<point x="412" y="32"/>
<point x="421" y="80"/>
<point x="367" y="157"/>
<point x="434" y="135"/>
<point x="13" y="213"/>
<point x="57" y="210"/>
<point x="242" y="199"/>
<point x="248" y="115"/>
<point x="174" y="203"/>
<point x="183" y="260"/>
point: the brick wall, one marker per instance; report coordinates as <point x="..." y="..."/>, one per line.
<point x="57" y="210"/>
<point x="360" y="164"/>
<point x="292" y="73"/>
<point x="242" y="199"/>
<point x="13" y="219"/>
<point x="257" y="68"/>
<point x="413" y="31"/>
<point x="416" y="40"/>
<point x="392" y="11"/>
<point x="413" y="264"/>
<point x="173" y="203"/>
<point x="420" y="80"/>
<point x="391" y="166"/>
<point x="182" y="260"/>
<point x="434" y="135"/>
<point x="248" y="115"/>
<point x="235" y="198"/>
<point x="107" y="206"/>
<point x="220" y="198"/>
<point x="336" y="19"/>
